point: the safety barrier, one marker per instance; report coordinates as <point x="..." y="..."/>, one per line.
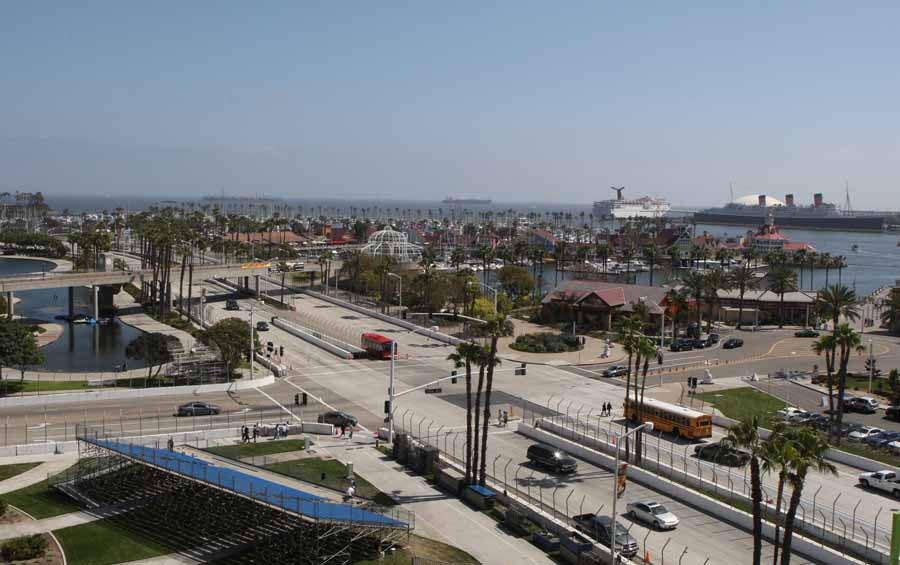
<point x="343" y="351"/>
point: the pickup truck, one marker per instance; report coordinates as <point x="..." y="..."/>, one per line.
<point x="888" y="481"/>
<point x="599" y="528"/>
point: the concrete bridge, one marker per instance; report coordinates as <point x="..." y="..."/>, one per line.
<point x="96" y="280"/>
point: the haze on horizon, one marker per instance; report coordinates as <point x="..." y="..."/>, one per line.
<point x="515" y="101"/>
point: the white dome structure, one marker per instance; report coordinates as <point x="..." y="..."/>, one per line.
<point x="391" y="243"/>
<point x="753" y="200"/>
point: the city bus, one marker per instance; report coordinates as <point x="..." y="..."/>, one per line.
<point x="667" y="417"/>
<point x="377" y="346"/>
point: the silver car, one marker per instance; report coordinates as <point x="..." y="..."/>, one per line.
<point x="653" y="513"/>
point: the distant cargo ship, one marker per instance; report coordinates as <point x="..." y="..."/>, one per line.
<point x="752" y="210"/>
<point x="466" y="201"/>
<point x="619" y="207"/>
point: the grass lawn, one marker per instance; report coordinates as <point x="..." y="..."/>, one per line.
<point x="738" y="403"/>
<point x="15" y="386"/>
<point x="425" y="548"/>
<point x="39" y="501"/>
<point x="262" y="447"/>
<point x="7" y="471"/>
<point x="103" y="542"/>
<point x="311" y="470"/>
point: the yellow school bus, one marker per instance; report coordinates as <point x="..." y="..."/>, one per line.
<point x="667" y="417"/>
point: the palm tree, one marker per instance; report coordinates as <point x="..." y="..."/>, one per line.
<point x="497" y="327"/>
<point x="466" y="353"/>
<point x="678" y="303"/>
<point x="603" y="252"/>
<point x="457" y="257"/>
<point x="745" y="435"/>
<point x="846" y="341"/>
<point x="781" y="281"/>
<point x="825" y="345"/>
<point x="651" y="255"/>
<point x="695" y="283"/>
<point x="837" y="302"/>
<point x="630" y="328"/>
<point x="810" y="450"/>
<point x="779" y="455"/>
<point x="891" y="314"/>
<point x="800" y="259"/>
<point x="645" y="349"/>
<point x="627" y="255"/>
<point x="743" y="279"/>
<point x="716" y="280"/>
<point x="675" y="258"/>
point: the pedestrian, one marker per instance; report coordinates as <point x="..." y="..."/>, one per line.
<point x="243" y="434"/>
<point x="499" y="417"/>
<point x="287" y="428"/>
<point x="255" y="432"/>
<point x="505" y="418"/>
<point x="343" y="429"/>
<point x="351" y="431"/>
<point x="171" y="444"/>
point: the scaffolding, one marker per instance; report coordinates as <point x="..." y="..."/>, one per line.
<point x="216" y="513"/>
<point x="199" y="364"/>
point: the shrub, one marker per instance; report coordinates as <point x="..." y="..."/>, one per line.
<point x="546" y="343"/>
<point x="3" y="507"/>
<point x="25" y="548"/>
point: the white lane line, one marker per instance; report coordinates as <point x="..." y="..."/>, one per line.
<point x="279" y="405"/>
<point x="320" y="399"/>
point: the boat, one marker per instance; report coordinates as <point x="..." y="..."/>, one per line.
<point x="621" y="207"/>
<point x="753" y="210"/>
<point x="466" y="201"/>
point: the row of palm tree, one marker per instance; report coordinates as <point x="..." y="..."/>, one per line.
<point x="791" y="453"/>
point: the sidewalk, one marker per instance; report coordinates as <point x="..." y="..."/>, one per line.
<point x="51" y="466"/>
<point x="439" y="515"/>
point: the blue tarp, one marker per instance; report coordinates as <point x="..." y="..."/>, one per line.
<point x="242" y="483"/>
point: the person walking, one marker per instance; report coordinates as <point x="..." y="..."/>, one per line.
<point x="343" y="430"/>
<point x="255" y="432"/>
<point x="350" y="427"/>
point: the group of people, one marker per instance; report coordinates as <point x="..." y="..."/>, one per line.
<point x="246" y="431"/>
<point x="606" y="409"/>
<point x="346" y="430"/>
<point x="502" y="418"/>
<point x="281" y="431"/>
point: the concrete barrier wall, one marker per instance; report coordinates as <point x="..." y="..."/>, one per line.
<point x="119" y="394"/>
<point x="816" y="551"/>
<point x="396" y="321"/>
<point x="305" y="336"/>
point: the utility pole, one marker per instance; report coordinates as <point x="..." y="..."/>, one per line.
<point x="391" y="394"/>
<point x="871" y="366"/>
<point x="251" y="342"/>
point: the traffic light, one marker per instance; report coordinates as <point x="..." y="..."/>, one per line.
<point x="870" y="364"/>
<point x="296" y="400"/>
<point x="281" y="351"/>
<point x="387" y="406"/>
<point x="303" y="399"/>
<point x="520" y="370"/>
<point x="453" y="377"/>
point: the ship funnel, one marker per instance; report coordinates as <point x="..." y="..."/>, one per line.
<point x="817" y="199"/>
<point x="762" y="199"/>
<point x="788" y="199"/>
<point x="618" y="190"/>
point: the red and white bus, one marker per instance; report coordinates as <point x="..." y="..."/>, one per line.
<point x="377" y="346"/>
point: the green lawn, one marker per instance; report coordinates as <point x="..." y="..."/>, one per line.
<point x="7" y="471"/>
<point x="738" y="403"/>
<point x="311" y="470"/>
<point x="39" y="501"/>
<point x="15" y="386"/>
<point x="104" y="542"/>
<point x="262" y="447"/>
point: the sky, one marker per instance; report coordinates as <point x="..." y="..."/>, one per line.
<point x="511" y="100"/>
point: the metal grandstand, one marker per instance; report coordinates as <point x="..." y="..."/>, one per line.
<point x="218" y="513"/>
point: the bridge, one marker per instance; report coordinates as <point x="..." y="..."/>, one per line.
<point x="97" y="279"/>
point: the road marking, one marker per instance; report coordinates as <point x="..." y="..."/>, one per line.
<point x="279" y="405"/>
<point x="320" y="399"/>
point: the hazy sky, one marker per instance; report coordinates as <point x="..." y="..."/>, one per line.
<point x="514" y="100"/>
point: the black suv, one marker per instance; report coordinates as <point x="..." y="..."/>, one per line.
<point x="722" y="453"/>
<point x="232" y="304"/>
<point x="337" y="419"/>
<point x="549" y="456"/>
<point x="625" y="542"/>
<point x="681" y="345"/>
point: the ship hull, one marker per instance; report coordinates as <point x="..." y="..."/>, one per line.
<point x="839" y="223"/>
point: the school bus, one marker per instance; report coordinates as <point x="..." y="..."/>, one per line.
<point x="671" y="418"/>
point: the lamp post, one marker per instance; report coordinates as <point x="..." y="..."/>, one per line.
<point x="391" y="394"/>
<point x="618" y="438"/>
<point x="400" y="293"/>
<point x="251" y="342"/>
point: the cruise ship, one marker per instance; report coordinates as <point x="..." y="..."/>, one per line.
<point x="466" y="201"/>
<point x="620" y="207"/>
<point x="753" y="209"/>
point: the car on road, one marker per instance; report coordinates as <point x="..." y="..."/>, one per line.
<point x="722" y="453"/>
<point x="712" y="339"/>
<point x="615" y="371"/>
<point x="847" y="428"/>
<point x="863" y="433"/>
<point x="886" y="481"/>
<point x="789" y="413"/>
<point x="681" y="345"/>
<point x="197" y="409"/>
<point x="262" y="326"/>
<point x="882" y="439"/>
<point x="806" y="333"/>
<point x="699" y="343"/>
<point x="653" y="513"/>
<point x="863" y="404"/>
<point x="552" y="458"/>
<point x="600" y="528"/>
<point x="232" y="304"/>
<point x="732" y="343"/>
<point x="892" y="413"/>
<point x="337" y="419"/>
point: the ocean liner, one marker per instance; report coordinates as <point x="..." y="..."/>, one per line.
<point x="466" y="201"/>
<point x="753" y="209"/>
<point x="620" y="207"/>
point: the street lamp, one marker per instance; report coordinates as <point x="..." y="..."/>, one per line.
<point x="612" y="536"/>
<point x="400" y="282"/>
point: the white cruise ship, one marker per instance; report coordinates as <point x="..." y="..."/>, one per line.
<point x="619" y="207"/>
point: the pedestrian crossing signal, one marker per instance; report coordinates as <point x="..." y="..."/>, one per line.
<point x="453" y="377"/>
<point x="520" y="370"/>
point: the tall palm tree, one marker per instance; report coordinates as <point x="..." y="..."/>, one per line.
<point x="781" y="281"/>
<point x="695" y="283"/>
<point x="745" y="435"/>
<point x="891" y="314"/>
<point x="846" y="341"/>
<point x="779" y="456"/>
<point x="838" y="302"/>
<point x="630" y="327"/>
<point x="743" y="279"/>
<point x="810" y="454"/>
<point x="497" y="328"/>
<point x="826" y="346"/>
<point x="466" y="353"/>
<point x="651" y="255"/>
<point x="603" y="252"/>
<point x="675" y="258"/>
<point x="716" y="280"/>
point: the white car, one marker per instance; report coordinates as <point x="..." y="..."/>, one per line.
<point x="893" y="447"/>
<point x="863" y="433"/>
<point x="789" y="412"/>
<point x="653" y="513"/>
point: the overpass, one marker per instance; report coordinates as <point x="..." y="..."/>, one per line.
<point x="35" y="281"/>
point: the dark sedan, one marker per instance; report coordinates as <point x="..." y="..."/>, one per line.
<point x="615" y="371"/>
<point x="733" y="343"/>
<point x="197" y="409"/>
<point x="338" y="419"/>
<point x="882" y="439"/>
<point x="806" y="333"/>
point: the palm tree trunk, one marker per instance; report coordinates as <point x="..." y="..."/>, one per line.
<point x="793" y="505"/>
<point x="740" y="308"/>
<point x="781" y="477"/>
<point x="476" y="427"/>
<point x="468" y="422"/>
<point x="492" y="355"/>
<point x="756" y="499"/>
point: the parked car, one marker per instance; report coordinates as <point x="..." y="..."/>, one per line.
<point x="262" y="326"/>
<point x="232" y="304"/>
<point x="197" y="409"/>
<point x="892" y="413"/>
<point x="615" y="371"/>
<point x="654" y="513"/>
<point x="847" y="428"/>
<point x="337" y="419"/>
<point x="818" y="421"/>
<point x="882" y="439"/>
<point x="600" y="528"/>
<point x="863" y="433"/>
<point x="698" y="343"/>
<point x="863" y="404"/>
<point x="808" y="332"/>
<point x="722" y="453"/>
<point x="881" y="480"/>
<point x="789" y="412"/>
<point x="732" y="343"/>
<point x="681" y="345"/>
<point x="712" y="339"/>
<point x="552" y="458"/>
